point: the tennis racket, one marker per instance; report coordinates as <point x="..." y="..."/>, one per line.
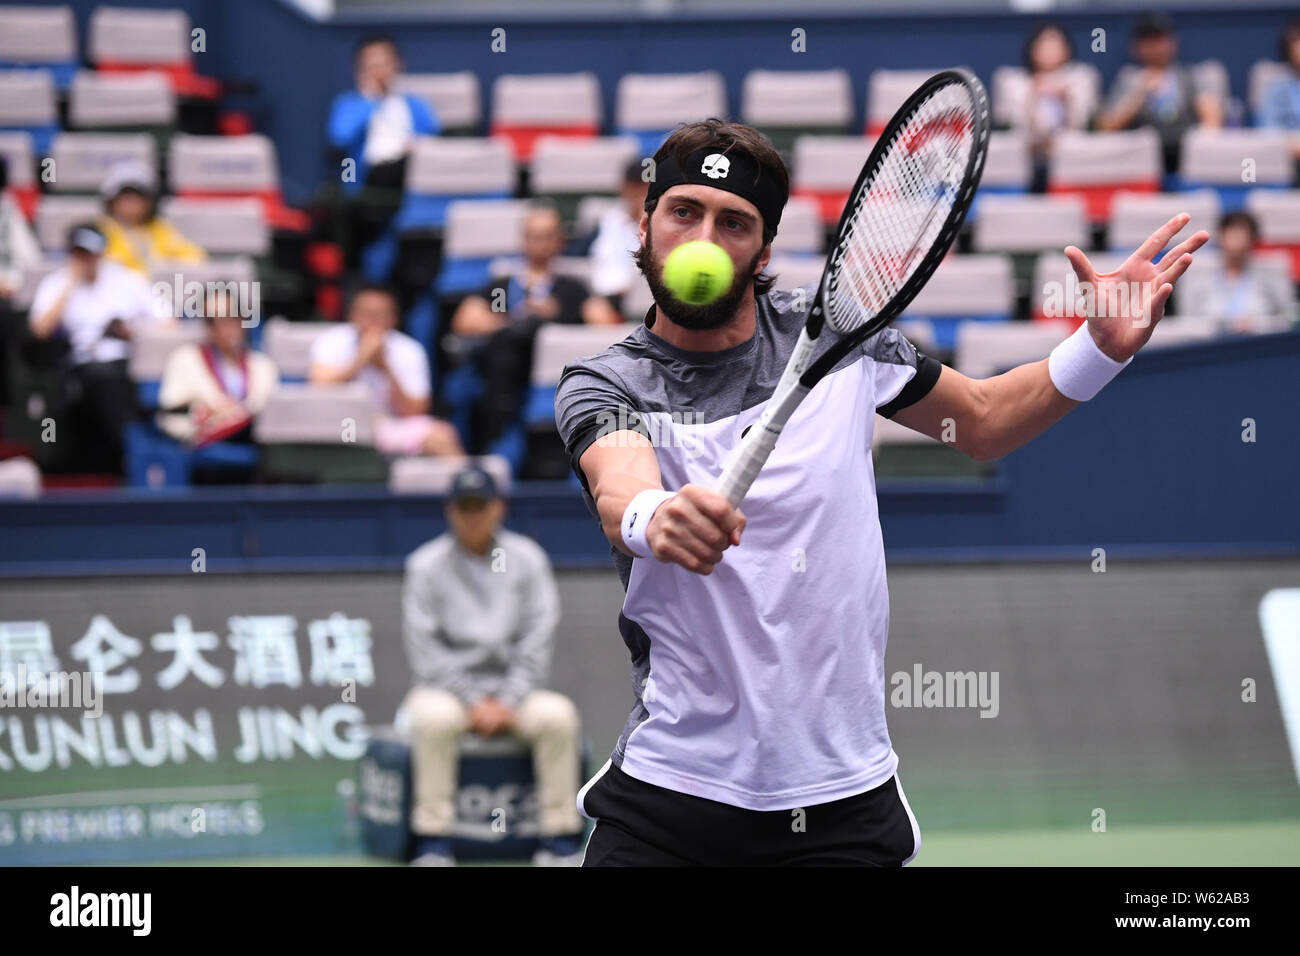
<point x="900" y="219"/>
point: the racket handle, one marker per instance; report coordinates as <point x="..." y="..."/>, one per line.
<point x="747" y="460"/>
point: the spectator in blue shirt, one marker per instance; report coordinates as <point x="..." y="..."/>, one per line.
<point x="374" y="125"/>
<point x="1281" y="106"/>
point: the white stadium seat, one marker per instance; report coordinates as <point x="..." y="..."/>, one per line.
<point x="653" y="101"/>
<point x="1100" y="159"/>
<point x="223" y="164"/>
<point x="82" y="161"/>
<point x="312" y="414"/>
<point x="153" y="344"/>
<point x="289" y="344"/>
<point x="19" y="158"/>
<point x="455" y="98"/>
<point x="1007" y="163"/>
<point x="563" y="164"/>
<point x="558" y="345"/>
<point x="56" y="215"/>
<point x="1278" y="213"/>
<point x="1134" y="216"/>
<point x="591" y="209"/>
<point x="27" y="98"/>
<point x="230" y="227"/>
<point x="826" y="163"/>
<point x="1054" y="278"/>
<point x="460" y="165"/>
<point x="33" y="34"/>
<point x="547" y="99"/>
<point x="126" y="35"/>
<point x="1030" y="223"/>
<point x="1216" y="156"/>
<point x="887" y="90"/>
<point x="797" y="98"/>
<point x="986" y="348"/>
<point x="120" y="99"/>
<point x="483" y="228"/>
<point x="794" y="271"/>
<point x="432" y="476"/>
<point x="967" y="285"/>
<point x="800" y="232"/>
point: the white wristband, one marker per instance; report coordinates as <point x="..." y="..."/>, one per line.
<point x="636" y="519"/>
<point x="1079" y="369"/>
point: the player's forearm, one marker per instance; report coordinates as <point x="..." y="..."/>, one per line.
<point x="1013" y="408"/>
<point x="618" y="467"/>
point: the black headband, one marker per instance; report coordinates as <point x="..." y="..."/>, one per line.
<point x="736" y="172"/>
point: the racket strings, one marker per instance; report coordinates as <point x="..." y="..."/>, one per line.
<point x="899" y="215"/>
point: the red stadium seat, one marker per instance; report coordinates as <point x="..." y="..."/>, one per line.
<point x="1278" y="215"/>
<point x="1096" y="166"/>
<point x="526" y="108"/>
<point x="127" y="41"/>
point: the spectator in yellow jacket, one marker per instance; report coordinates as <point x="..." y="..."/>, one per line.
<point x="138" y="237"/>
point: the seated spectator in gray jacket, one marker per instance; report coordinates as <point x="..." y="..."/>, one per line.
<point x="1240" y="294"/>
<point x="479" y="610"/>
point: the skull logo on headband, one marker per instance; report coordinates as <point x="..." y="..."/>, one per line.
<point x="716" y="166"/>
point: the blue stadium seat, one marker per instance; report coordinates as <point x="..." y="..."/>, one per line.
<point x="154" y="459"/>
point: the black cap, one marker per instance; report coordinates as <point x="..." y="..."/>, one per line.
<point x="1154" y="24"/>
<point x="88" y="238"/>
<point x="473" y="484"/>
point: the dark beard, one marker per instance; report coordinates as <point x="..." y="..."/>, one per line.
<point x="697" y="318"/>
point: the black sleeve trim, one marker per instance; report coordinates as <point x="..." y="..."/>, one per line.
<point x="927" y="373"/>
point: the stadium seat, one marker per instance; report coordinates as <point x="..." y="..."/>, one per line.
<point x="801" y="232"/>
<point x="575" y="267"/>
<point x="32" y="276"/>
<point x="231" y="167"/>
<point x="825" y="169"/>
<point x="555" y="347"/>
<point x="289" y="344"/>
<point x="234" y="227"/>
<point x="55" y="215"/>
<point x="1182" y="330"/>
<point x="1233" y="162"/>
<point x="83" y="160"/>
<point x="1134" y="216"/>
<point x="648" y="106"/>
<point x="20" y="478"/>
<point x="786" y="104"/>
<point x="154" y="459"/>
<point x="28" y="104"/>
<point x="432" y="476"/>
<point x="1008" y="169"/>
<point x="1096" y="166"/>
<point x="589" y="213"/>
<point x="126" y="40"/>
<point x="887" y="90"/>
<point x="36" y="37"/>
<point x="302" y="438"/>
<point x="637" y="300"/>
<point x="455" y="98"/>
<point x="1030" y="223"/>
<point x="1054" y="286"/>
<point x="1278" y="215"/>
<point x="478" y="231"/>
<point x="441" y="171"/>
<point x="1012" y="86"/>
<point x="20" y="163"/>
<point x="969" y="288"/>
<point x="525" y="108"/>
<point x="793" y="272"/>
<point x="121" y="101"/>
<point x="983" y="350"/>
<point x="237" y="274"/>
<point x="564" y="169"/>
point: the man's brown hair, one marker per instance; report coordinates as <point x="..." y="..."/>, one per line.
<point x="724" y="137"/>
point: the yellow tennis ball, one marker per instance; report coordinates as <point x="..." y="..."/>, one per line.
<point x="698" y="272"/>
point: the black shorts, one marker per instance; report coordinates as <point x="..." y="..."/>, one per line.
<point x="640" y="824"/>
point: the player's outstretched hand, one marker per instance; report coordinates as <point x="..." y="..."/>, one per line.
<point x="693" y="528"/>
<point x="1124" y="306"/>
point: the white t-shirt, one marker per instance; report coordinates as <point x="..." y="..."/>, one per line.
<point x="388" y="136"/>
<point x="613" y="270"/>
<point x="337" y="349"/>
<point x="116" y="293"/>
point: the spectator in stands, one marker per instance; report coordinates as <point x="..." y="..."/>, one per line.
<point x="1160" y="92"/>
<point x="1281" y="106"/>
<point x="479" y="611"/>
<point x="374" y="125"/>
<point x="613" y="270"/>
<point x="393" y="367"/>
<point x="94" y="305"/>
<point x="1054" y="99"/>
<point x="211" y="390"/>
<point x="507" y="314"/>
<point x="19" y="249"/>
<point x="1240" y="295"/>
<point x="138" y="237"/>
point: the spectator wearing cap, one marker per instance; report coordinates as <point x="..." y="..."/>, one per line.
<point x="504" y="319"/>
<point x="211" y="390"/>
<point x="138" y="237"/>
<point x="94" y="305"/>
<point x="479" y="612"/>
<point x="374" y="125"/>
<point x="1159" y="91"/>
<point x="613" y="269"/>
<point x="1281" y="104"/>
<point x="394" y="367"/>
<point x="1240" y="296"/>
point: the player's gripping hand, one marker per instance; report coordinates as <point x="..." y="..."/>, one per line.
<point x="693" y="528"/>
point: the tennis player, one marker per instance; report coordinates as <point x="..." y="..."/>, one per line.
<point x="758" y="638"/>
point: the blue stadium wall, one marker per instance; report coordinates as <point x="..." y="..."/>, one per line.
<point x="300" y="64"/>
